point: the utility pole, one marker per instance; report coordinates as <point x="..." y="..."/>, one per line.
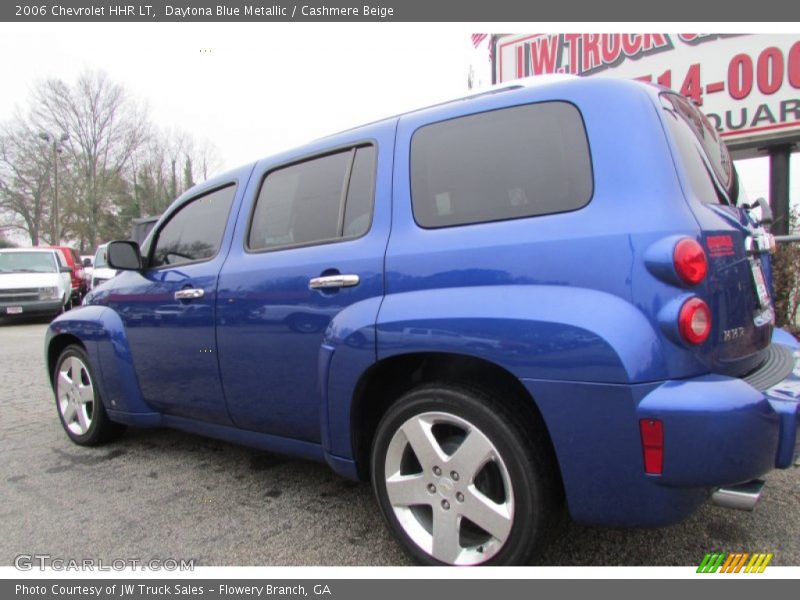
<point x="56" y="145"/>
<point x="779" y="157"/>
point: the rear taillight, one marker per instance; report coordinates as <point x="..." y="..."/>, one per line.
<point x="652" y="431"/>
<point x="694" y="321"/>
<point x="690" y="261"/>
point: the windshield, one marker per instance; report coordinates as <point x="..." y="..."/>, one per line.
<point x="27" y="262"/>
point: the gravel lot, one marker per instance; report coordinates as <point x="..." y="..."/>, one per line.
<point x="159" y="494"/>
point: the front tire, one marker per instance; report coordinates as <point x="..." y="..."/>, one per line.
<point x="461" y="479"/>
<point x="80" y="407"/>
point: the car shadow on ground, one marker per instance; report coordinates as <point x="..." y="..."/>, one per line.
<point x="259" y="508"/>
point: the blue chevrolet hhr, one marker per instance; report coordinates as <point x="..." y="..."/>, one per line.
<point x="551" y="296"/>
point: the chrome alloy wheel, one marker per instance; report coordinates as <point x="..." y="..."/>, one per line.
<point x="449" y="488"/>
<point x="75" y="395"/>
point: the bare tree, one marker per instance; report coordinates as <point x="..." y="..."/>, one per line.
<point x="105" y="128"/>
<point x="25" y="167"/>
<point x="169" y="164"/>
<point x="113" y="166"/>
<point x="208" y="159"/>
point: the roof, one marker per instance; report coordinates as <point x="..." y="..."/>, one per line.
<point x="32" y="249"/>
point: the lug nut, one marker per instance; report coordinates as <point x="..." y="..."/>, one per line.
<point x="445" y="505"/>
<point x="431" y="488"/>
<point x="459" y="496"/>
<point x="437" y="471"/>
<point x="453" y="475"/>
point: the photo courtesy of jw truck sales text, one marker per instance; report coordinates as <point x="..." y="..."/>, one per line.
<point x="550" y="297"/>
<point x="139" y="590"/>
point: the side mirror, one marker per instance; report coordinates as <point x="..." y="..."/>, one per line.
<point x="87" y="262"/>
<point x="124" y="256"/>
<point x="66" y="270"/>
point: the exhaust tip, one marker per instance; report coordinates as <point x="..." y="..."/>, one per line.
<point x="744" y="496"/>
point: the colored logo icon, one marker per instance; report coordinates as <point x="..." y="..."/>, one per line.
<point x="736" y="562"/>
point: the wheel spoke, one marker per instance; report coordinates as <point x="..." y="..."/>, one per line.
<point x="474" y="452"/>
<point x="75" y="367"/>
<point x="83" y="419"/>
<point x="85" y="394"/>
<point x="407" y="490"/>
<point x="419" y="434"/>
<point x="493" y="518"/>
<point x="69" y="413"/>
<point x="446" y="546"/>
<point x="63" y="378"/>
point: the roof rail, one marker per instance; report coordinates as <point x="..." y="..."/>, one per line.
<point x="533" y="81"/>
<point x="515" y="84"/>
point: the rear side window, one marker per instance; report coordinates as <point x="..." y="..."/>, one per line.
<point x="194" y="233"/>
<point x="505" y="164"/>
<point x="704" y="155"/>
<point x="323" y="199"/>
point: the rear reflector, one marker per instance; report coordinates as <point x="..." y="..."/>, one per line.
<point x="690" y="261"/>
<point x="652" y="431"/>
<point x="694" y="321"/>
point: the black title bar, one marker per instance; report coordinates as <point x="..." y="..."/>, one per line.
<point x="685" y="11"/>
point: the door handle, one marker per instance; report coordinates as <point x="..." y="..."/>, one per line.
<point x="189" y="294"/>
<point x="333" y="281"/>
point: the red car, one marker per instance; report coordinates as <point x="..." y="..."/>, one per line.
<point x="73" y="260"/>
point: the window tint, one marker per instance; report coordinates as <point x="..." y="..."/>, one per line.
<point x="303" y="203"/>
<point x="505" y="164"/>
<point x="702" y="152"/>
<point x="195" y="231"/>
<point x="358" y="210"/>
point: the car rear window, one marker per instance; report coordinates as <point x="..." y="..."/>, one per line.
<point x="504" y="164"/>
<point x="702" y="152"/>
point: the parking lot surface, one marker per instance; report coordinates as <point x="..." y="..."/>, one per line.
<point x="158" y="494"/>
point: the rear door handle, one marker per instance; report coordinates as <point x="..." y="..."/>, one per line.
<point x="333" y="281"/>
<point x="189" y="294"/>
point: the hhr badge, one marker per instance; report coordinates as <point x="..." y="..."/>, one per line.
<point x="729" y="335"/>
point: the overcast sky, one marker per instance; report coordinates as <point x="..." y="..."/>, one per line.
<point x="254" y="89"/>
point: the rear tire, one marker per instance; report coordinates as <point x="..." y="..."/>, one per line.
<point x="461" y="479"/>
<point x="80" y="407"/>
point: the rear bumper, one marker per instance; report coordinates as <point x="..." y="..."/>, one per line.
<point x="718" y="431"/>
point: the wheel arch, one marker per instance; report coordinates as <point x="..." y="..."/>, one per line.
<point x="100" y="332"/>
<point x="56" y="346"/>
<point x="389" y="379"/>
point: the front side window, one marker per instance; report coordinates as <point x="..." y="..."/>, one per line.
<point x="194" y="233"/>
<point x="319" y="200"/>
<point x="504" y="164"/>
